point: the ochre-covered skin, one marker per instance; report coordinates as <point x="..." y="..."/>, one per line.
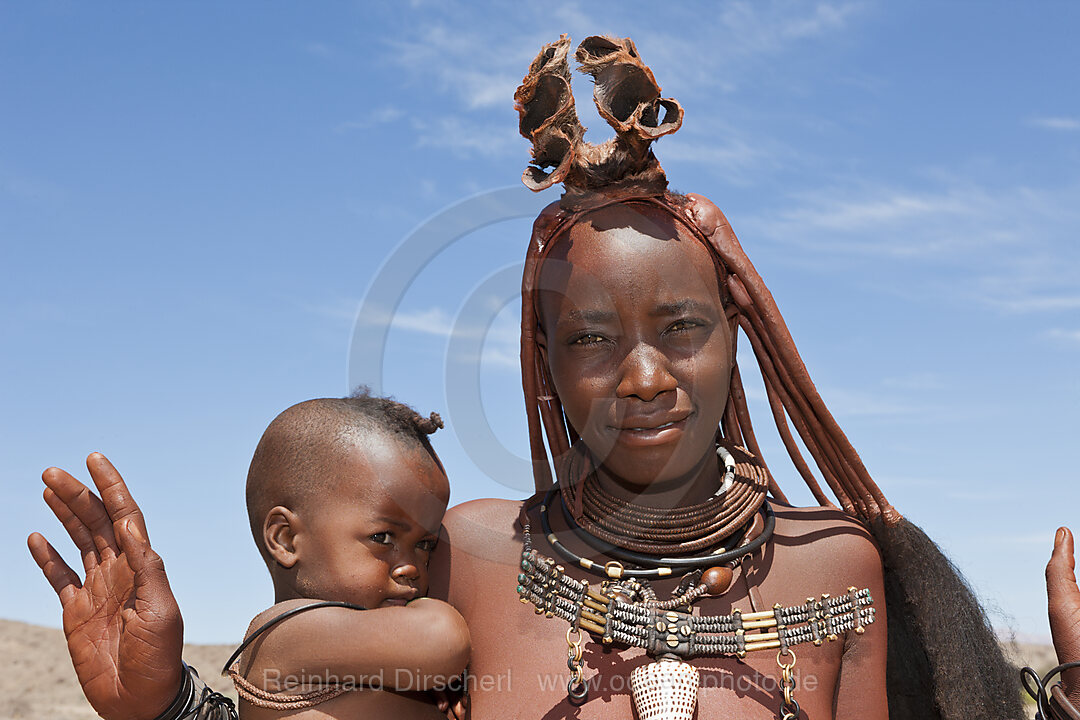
<point x="937" y="624"/>
<point x="603" y="333"/>
<point x="814" y="550"/>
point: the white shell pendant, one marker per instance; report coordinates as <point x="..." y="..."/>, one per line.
<point x="665" y="690"/>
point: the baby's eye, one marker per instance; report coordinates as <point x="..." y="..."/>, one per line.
<point x="383" y="538"/>
<point x="427" y="544"/>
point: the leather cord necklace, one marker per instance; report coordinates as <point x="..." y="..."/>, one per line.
<point x="676" y="531"/>
<point x="652" y="567"/>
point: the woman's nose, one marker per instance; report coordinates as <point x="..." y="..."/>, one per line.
<point x="644" y="374"/>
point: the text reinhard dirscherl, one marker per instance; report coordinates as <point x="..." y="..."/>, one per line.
<point x="406" y="680"/>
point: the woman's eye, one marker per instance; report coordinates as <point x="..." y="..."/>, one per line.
<point x="588" y="339"/>
<point x="679" y="325"/>
<point x="382" y="538"/>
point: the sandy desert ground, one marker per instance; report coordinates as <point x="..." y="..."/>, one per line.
<point x="39" y="682"/>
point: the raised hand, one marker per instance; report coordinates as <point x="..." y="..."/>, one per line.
<point x="122" y="623"/>
<point x="1064" y="600"/>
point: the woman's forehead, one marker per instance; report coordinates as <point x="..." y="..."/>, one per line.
<point x="626" y="257"/>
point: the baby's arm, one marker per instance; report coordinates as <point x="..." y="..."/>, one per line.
<point x="419" y="646"/>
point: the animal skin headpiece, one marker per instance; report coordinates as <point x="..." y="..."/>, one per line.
<point x="625" y="171"/>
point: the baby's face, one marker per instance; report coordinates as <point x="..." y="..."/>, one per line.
<point x="370" y="543"/>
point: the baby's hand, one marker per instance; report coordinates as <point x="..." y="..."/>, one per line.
<point x="452" y="703"/>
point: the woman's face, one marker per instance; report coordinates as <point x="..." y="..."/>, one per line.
<point x="635" y="335"/>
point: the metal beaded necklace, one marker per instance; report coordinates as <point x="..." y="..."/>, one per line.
<point x="624" y="609"/>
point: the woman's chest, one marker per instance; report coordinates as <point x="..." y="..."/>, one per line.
<point x="520" y="665"/>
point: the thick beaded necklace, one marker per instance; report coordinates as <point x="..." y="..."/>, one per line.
<point x="625" y="610"/>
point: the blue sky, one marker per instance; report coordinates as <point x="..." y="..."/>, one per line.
<point x="195" y="198"/>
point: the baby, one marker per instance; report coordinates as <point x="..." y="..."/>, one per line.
<point x="346" y="499"/>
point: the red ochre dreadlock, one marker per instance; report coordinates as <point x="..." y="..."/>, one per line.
<point x="944" y="660"/>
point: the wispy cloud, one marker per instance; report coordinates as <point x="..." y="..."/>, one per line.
<point x="499" y="340"/>
<point x="428" y="321"/>
<point x="320" y="50"/>
<point x="464" y="138"/>
<point x="379" y="116"/>
<point x="888" y="221"/>
<point x="1055" y="123"/>
<point x="1014" y="245"/>
<point x="477" y="70"/>
<point x="915" y="382"/>
<point x="1027" y="303"/>
<point x="735" y="158"/>
<point x="734" y="39"/>
<point x="754" y="28"/>
<point x="30" y="190"/>
<point x="475" y="59"/>
<point x="1072" y="336"/>
<point x="853" y="403"/>
<point x="996" y="539"/>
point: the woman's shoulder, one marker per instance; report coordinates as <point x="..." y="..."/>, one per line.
<point x="480" y="527"/>
<point x="488" y="516"/>
<point x="825" y="534"/>
<point x="798" y="521"/>
<point x="484" y="510"/>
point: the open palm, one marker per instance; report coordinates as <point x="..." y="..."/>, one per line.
<point x="122" y="623"/>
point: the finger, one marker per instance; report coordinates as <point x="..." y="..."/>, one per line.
<point x="115" y="495"/>
<point x="1063" y="597"/>
<point x="63" y="579"/>
<point x="1061" y="589"/>
<point x="86" y="506"/>
<point x="78" y="532"/>
<point x="151" y="582"/>
<point x="1062" y="558"/>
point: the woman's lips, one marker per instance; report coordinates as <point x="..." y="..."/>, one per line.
<point x="661" y="434"/>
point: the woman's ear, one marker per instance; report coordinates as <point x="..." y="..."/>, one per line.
<point x="280" y="529"/>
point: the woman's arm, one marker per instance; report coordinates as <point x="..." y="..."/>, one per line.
<point x="862" y="689"/>
<point x="122" y="623"/>
<point x="420" y="646"/>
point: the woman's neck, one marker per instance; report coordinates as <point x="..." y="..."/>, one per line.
<point x="693" y="488"/>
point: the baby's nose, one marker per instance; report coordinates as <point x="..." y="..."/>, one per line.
<point x="406" y="571"/>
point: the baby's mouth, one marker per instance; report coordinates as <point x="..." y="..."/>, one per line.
<point x="402" y="598"/>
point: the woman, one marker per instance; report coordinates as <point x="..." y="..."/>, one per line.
<point x="663" y="528"/>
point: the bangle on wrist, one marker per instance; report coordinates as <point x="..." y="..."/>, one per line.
<point x="1061" y="708"/>
<point x="1051" y="702"/>
<point x="183" y="697"/>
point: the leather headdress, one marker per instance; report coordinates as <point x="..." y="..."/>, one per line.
<point x="625" y="171"/>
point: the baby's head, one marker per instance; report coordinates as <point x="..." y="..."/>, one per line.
<point x="345" y="497"/>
